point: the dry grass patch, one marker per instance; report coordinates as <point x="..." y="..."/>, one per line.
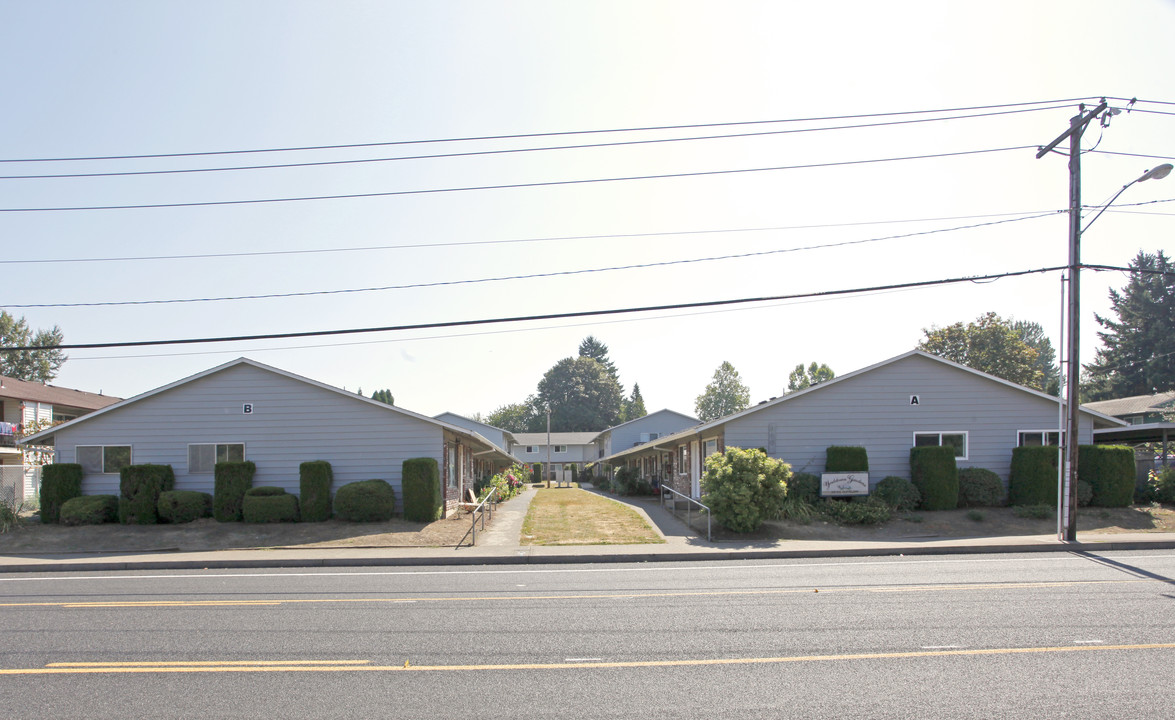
<point x="569" y="516"/>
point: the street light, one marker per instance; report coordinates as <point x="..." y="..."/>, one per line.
<point x="1068" y="508"/>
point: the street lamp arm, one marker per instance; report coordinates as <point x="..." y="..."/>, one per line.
<point x="1157" y="173"/>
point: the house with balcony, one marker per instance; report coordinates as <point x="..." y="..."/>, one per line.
<point x="27" y="407"/>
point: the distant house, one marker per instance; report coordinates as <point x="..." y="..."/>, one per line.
<point x="1149" y="427"/>
<point x="566" y="449"/>
<point x="911" y="400"/>
<point x="504" y="439"/>
<point x="27" y="407"/>
<point x="641" y="430"/>
<point x="245" y="410"/>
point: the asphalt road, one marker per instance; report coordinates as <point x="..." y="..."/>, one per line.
<point x="1041" y="635"/>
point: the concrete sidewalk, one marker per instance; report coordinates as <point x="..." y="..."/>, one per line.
<point x="500" y="544"/>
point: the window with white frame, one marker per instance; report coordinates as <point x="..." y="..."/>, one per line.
<point x="1037" y="438"/>
<point x="709" y="447"/>
<point x="102" y="459"/>
<point x="558" y="448"/>
<point x="532" y="449"/>
<point x="956" y="439"/>
<point x="202" y="457"/>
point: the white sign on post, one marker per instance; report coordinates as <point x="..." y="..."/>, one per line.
<point x="844" y="484"/>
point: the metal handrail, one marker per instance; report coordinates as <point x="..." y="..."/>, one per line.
<point x="485" y="507"/>
<point x="690" y="502"/>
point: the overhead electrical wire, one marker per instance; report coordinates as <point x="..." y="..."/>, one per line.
<point x="528" y="276"/>
<point x="523" y="136"/>
<point x="528" y="318"/>
<point x="513" y="186"/>
<point x="509" y="151"/>
<point x="467" y="243"/>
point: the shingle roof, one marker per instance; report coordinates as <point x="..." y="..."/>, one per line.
<point x="14" y="389"/>
<point x="1135" y="405"/>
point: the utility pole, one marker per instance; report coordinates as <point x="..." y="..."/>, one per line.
<point x="1077" y="127"/>
<point x="547" y="467"/>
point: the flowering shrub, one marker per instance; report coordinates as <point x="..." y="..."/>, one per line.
<point x="508" y="482"/>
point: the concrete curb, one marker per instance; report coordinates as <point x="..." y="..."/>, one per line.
<point x="528" y="558"/>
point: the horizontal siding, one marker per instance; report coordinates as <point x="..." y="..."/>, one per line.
<point x="292" y="422"/>
<point x="663" y="423"/>
<point x="873" y="410"/>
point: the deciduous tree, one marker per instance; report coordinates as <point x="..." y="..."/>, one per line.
<point x="814" y="375"/>
<point x="990" y="345"/>
<point x="726" y="394"/>
<point x="582" y="395"/>
<point x="33" y="365"/>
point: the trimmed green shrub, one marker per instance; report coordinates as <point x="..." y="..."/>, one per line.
<point x="847" y="512"/>
<point x="933" y="472"/>
<point x="90" y="510"/>
<point x="1033" y="478"/>
<point x="1110" y="470"/>
<point x="846" y="458"/>
<point x="59" y="482"/>
<point x="366" y="501"/>
<point x="603" y="483"/>
<point x="979" y="487"/>
<point x="574" y="473"/>
<point x="314" y="481"/>
<point x="139" y="487"/>
<point x="804" y="486"/>
<point x="974" y="516"/>
<point x="421" y="484"/>
<point x="269" y="505"/>
<point x="183" y="506"/>
<point x="233" y="480"/>
<point x="1084" y="493"/>
<point x="898" y="493"/>
<point x="743" y="487"/>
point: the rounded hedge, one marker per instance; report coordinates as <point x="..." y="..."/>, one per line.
<point x="90" y="510"/>
<point x="264" y="491"/>
<point x="365" y="501"/>
<point x="898" y="493"/>
<point x="184" y="506"/>
<point x="980" y="487"/>
<point x="804" y="486"/>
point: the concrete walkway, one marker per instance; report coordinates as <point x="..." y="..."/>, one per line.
<point x="500" y="544"/>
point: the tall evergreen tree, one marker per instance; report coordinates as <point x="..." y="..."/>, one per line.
<point x="634" y="406"/>
<point x="1046" y="358"/>
<point x="1138" y="357"/>
<point x="582" y="395"/>
<point x="383" y="396"/>
<point x="598" y="351"/>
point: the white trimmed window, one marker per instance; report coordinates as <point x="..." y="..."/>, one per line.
<point x="709" y="447"/>
<point x="532" y="449"/>
<point x="1037" y="438"/>
<point x="956" y="439"/>
<point x="102" y="459"/>
<point x="202" y="457"/>
<point x="558" y="448"/>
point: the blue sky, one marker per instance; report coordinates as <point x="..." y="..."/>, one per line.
<point x="141" y="78"/>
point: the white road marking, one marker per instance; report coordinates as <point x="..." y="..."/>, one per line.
<point x="644" y="568"/>
<point x="1088" y="642"/>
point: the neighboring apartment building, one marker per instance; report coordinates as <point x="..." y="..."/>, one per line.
<point x="567" y="449"/>
<point x="27" y="407"/>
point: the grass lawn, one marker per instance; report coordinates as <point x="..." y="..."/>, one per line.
<point x="570" y="516"/>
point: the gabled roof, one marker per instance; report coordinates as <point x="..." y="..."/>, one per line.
<point x="698" y="429"/>
<point x="557" y="438"/>
<point x="38" y="438"/>
<point x="14" y="389"/>
<point x="505" y="432"/>
<point x="692" y="419"/>
<point x="1135" y="405"/>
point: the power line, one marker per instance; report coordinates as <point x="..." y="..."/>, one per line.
<point x="528" y="276"/>
<point x="1138" y="155"/>
<point x="527" y="318"/>
<point x="522" y="136"/>
<point x="467" y="243"/>
<point x="477" y="153"/>
<point x="511" y="186"/>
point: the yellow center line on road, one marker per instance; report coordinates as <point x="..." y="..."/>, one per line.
<point x="361" y="666"/>
<point x="202" y="663"/>
<point x="579" y="596"/>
